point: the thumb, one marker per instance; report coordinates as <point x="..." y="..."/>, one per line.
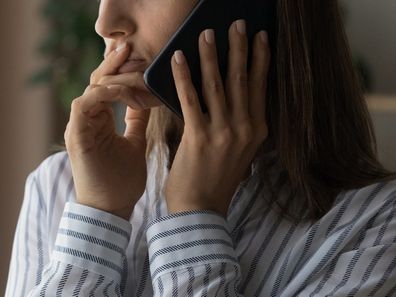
<point x="136" y="124"/>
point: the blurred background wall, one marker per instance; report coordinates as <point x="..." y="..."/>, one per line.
<point x="29" y="117"/>
<point x="26" y="118"/>
<point x="371" y="28"/>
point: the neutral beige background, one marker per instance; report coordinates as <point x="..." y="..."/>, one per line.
<point x="371" y="28"/>
<point x="26" y="114"/>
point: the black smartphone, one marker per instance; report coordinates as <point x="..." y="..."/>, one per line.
<point x="207" y="14"/>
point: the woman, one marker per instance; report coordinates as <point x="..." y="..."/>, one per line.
<point x="275" y="192"/>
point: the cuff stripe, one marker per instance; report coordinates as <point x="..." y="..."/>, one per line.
<point x="97" y="223"/>
<point x="195" y="261"/>
<point x="183" y="214"/>
<point x="190" y="244"/>
<point x="187" y="229"/>
<point x="92" y="239"/>
<point x="88" y="257"/>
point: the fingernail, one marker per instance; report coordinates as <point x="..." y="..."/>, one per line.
<point x="263" y="36"/>
<point x="120" y="47"/>
<point x="209" y="36"/>
<point x="113" y="89"/>
<point x="179" y="57"/>
<point x="241" y="26"/>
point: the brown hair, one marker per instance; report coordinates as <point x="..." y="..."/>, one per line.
<point x="312" y="82"/>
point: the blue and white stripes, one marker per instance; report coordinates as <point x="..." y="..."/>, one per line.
<point x="189" y="239"/>
<point x="96" y="244"/>
<point x="62" y="248"/>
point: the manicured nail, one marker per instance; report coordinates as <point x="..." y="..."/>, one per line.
<point x="209" y="36"/>
<point x="263" y="36"/>
<point x="241" y="26"/>
<point x="113" y="89"/>
<point x="120" y="47"/>
<point x="179" y="57"/>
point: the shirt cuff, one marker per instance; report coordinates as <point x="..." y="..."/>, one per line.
<point x="92" y="239"/>
<point x="187" y="239"/>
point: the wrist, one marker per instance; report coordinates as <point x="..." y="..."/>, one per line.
<point x="124" y="213"/>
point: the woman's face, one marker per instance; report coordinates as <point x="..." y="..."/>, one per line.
<point x="145" y="25"/>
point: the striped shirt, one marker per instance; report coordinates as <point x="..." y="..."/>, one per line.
<point x="62" y="248"/>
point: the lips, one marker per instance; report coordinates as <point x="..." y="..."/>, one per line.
<point x="133" y="66"/>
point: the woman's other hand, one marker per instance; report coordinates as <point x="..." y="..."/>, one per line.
<point x="217" y="148"/>
<point x="109" y="170"/>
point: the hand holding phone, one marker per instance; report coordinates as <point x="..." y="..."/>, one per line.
<point x="217" y="148"/>
<point x="214" y="14"/>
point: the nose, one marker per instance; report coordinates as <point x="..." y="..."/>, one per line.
<point x="113" y="20"/>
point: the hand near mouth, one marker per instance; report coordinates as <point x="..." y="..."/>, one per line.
<point x="118" y="68"/>
<point x="109" y="170"/>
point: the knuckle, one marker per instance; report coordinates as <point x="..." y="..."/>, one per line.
<point x="213" y="85"/>
<point x="257" y="82"/>
<point x="261" y="133"/>
<point x="189" y="96"/>
<point x="100" y="81"/>
<point x="76" y="103"/>
<point x="200" y="139"/>
<point x="245" y="133"/>
<point x="87" y="89"/>
<point x="239" y="77"/>
<point x="65" y="134"/>
<point x="225" y="138"/>
<point x="90" y="88"/>
<point x="97" y="91"/>
<point x="93" y="76"/>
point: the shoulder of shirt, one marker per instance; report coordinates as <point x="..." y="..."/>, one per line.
<point x="380" y="191"/>
<point x="53" y="171"/>
<point x="53" y="163"/>
<point x="367" y="202"/>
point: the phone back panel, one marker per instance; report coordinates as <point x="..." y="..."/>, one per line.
<point x="214" y="14"/>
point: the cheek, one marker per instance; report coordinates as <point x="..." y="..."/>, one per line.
<point x="158" y="39"/>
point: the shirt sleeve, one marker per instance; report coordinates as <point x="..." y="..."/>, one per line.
<point x="192" y="254"/>
<point x="88" y="258"/>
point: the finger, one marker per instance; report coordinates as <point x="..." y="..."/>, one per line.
<point x="192" y="113"/>
<point x="135" y="81"/>
<point x="237" y="86"/>
<point x="212" y="85"/>
<point x="89" y="88"/>
<point x="128" y="96"/>
<point x="66" y="134"/>
<point x="258" y="79"/>
<point x="99" y="122"/>
<point x="136" y="124"/>
<point x="131" y="79"/>
<point x="111" y="63"/>
<point x="81" y="128"/>
<point x="89" y="105"/>
<point x="125" y="94"/>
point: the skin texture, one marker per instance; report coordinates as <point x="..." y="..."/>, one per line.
<point x="216" y="149"/>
